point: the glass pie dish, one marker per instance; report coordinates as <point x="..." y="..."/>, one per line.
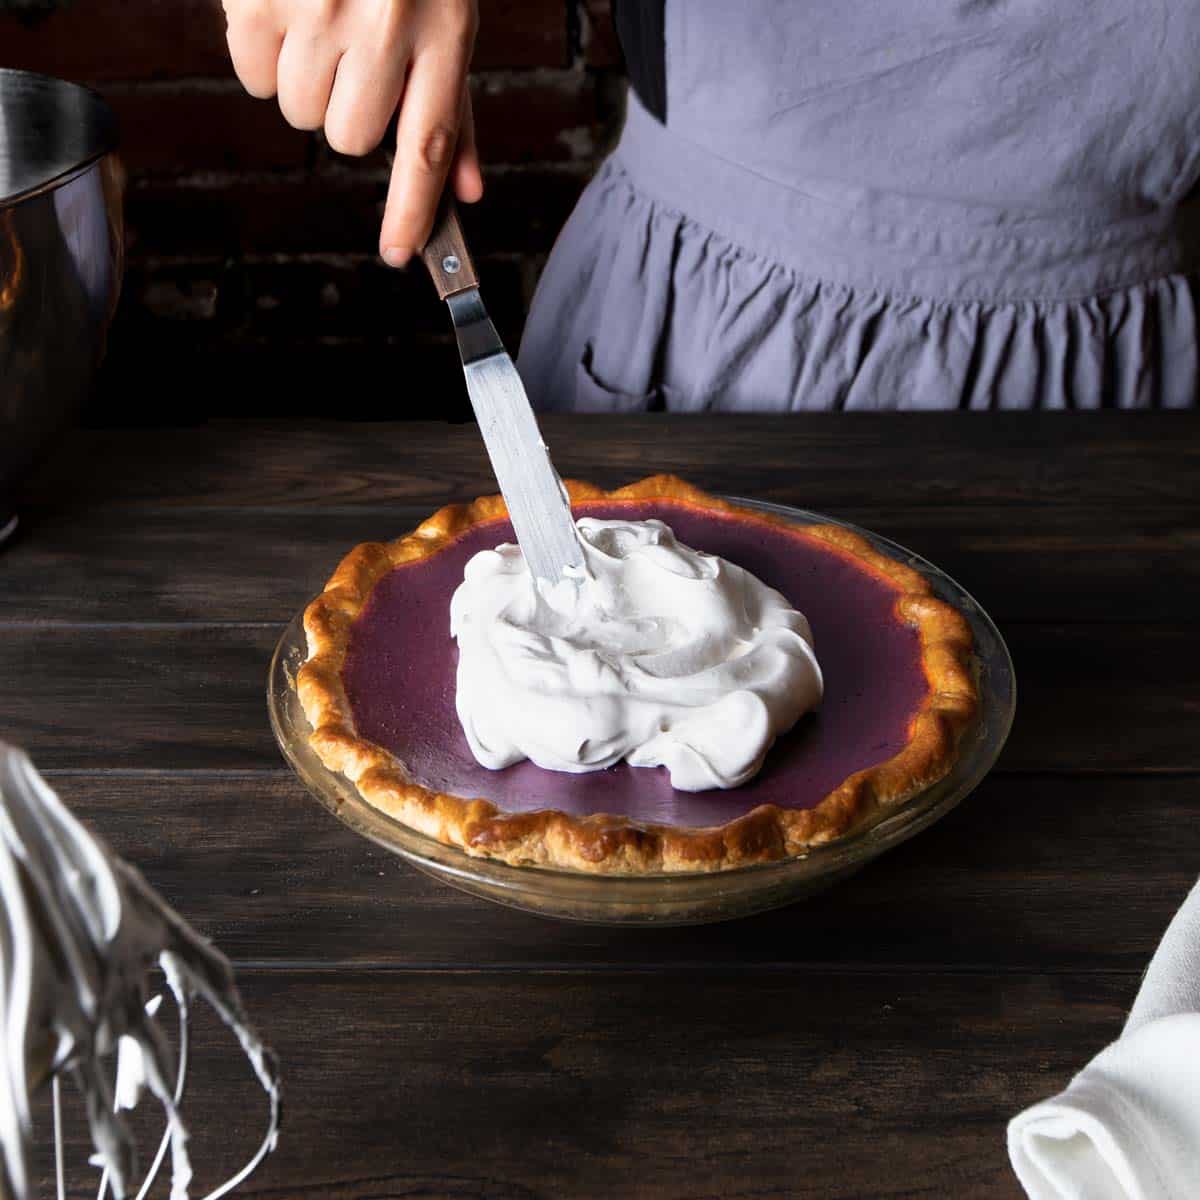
<point x="676" y="898"/>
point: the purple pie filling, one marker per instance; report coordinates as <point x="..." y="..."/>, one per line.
<point x="400" y="667"/>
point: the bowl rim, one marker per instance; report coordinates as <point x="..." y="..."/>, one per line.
<point x="105" y="142"/>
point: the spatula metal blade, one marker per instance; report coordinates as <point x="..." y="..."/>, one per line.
<point x="532" y="489"/>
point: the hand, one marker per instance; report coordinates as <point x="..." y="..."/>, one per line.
<point x="348" y="65"/>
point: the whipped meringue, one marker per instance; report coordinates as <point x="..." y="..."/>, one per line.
<point x="653" y="652"/>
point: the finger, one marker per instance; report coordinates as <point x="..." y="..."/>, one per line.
<point x="466" y="174"/>
<point x="308" y="61"/>
<point x="426" y="138"/>
<point x="366" y="92"/>
<point x="254" y="41"/>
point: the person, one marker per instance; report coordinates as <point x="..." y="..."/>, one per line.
<point x="866" y="205"/>
<point x="344" y="66"/>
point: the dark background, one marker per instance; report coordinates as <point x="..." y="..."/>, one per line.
<point x="252" y="247"/>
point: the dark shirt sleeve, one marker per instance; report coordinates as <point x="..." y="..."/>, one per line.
<point x="640" y="28"/>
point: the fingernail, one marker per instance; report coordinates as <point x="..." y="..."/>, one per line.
<point x="395" y="256"/>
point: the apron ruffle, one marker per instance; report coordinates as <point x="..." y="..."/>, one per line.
<point x="640" y="308"/>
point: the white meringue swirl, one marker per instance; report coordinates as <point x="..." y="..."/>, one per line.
<point x="656" y="653"/>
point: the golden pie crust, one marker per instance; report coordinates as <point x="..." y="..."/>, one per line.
<point x="599" y="843"/>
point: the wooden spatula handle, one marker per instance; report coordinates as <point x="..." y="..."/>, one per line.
<point x="446" y="255"/>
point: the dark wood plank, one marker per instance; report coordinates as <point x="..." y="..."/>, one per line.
<point x="821" y="461"/>
<point x="179" y="564"/>
<point x="193" y="697"/>
<point x="103" y="696"/>
<point x="1091" y="699"/>
<point x="1070" y="564"/>
<point x="661" y="1087"/>
<point x="870" y="1042"/>
<point x="1078" y="873"/>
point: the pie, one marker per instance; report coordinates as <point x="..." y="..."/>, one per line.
<point x="378" y="689"/>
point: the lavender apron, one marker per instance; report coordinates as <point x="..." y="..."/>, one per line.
<point x="890" y="204"/>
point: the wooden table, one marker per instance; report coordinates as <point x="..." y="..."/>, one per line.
<point x="871" y="1042"/>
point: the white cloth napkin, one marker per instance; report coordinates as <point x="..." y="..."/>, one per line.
<point x="1128" y="1125"/>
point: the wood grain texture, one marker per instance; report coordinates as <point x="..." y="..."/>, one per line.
<point x="188" y="697"/>
<point x="171" y="697"/>
<point x="662" y="1086"/>
<point x="823" y="461"/>
<point x="872" y="1041"/>
<point x="1030" y="873"/>
<point x="183" y="564"/>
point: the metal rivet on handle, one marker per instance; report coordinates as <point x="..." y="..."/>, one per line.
<point x="451" y="265"/>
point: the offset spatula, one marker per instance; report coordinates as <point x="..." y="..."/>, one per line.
<point x="528" y="481"/>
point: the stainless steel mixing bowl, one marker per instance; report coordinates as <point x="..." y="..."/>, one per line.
<point x="60" y="261"/>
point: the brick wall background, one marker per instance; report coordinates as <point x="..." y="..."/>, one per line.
<point x="251" y="246"/>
